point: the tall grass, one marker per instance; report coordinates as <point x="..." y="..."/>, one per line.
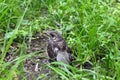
<point x="91" y="29"/>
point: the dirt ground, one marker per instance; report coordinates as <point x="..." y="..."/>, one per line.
<point x="35" y="66"/>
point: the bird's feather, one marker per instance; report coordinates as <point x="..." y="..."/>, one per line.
<point x="57" y="47"/>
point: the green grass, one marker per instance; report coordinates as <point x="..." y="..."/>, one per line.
<point x="91" y="29"/>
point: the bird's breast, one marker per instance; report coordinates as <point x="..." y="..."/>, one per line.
<point x="63" y="57"/>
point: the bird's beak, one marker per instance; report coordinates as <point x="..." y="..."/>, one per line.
<point x="46" y="34"/>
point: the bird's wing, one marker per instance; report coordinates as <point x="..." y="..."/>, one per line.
<point x="50" y="51"/>
<point x="62" y="45"/>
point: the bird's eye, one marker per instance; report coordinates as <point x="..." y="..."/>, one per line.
<point x="52" y="35"/>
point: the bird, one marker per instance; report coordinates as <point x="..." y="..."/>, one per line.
<point x="57" y="48"/>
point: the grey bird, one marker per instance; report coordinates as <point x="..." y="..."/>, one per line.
<point x="57" y="49"/>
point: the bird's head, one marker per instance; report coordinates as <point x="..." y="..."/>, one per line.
<point x="53" y="34"/>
